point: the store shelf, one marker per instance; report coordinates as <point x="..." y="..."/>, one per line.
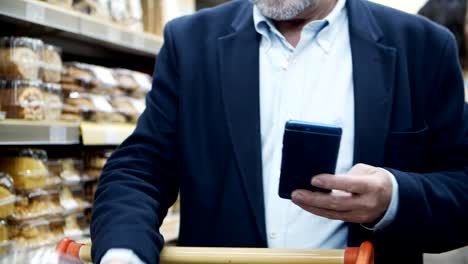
<point x="18" y="132"/>
<point x="95" y="134"/>
<point x="80" y="26"/>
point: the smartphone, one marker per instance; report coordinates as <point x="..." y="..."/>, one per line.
<point x="309" y="149"/>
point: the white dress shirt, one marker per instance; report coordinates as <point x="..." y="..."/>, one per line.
<point x="311" y="82"/>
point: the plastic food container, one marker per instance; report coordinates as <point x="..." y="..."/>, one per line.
<point x="22" y="99"/>
<point x="37" y="204"/>
<point x="71" y="199"/>
<point x="28" y="168"/>
<point x="51" y="65"/>
<point x="75" y="72"/>
<point x="7" y="196"/>
<point x="72" y="226"/>
<point x="69" y="170"/>
<point x="125" y="80"/>
<point x="57" y="227"/>
<point x="4" y="234"/>
<point x="144" y="84"/>
<point x="53" y="101"/>
<point x="97" y="159"/>
<point x="6" y="249"/>
<point x="78" y="106"/>
<point x="20" y="58"/>
<point x="125" y="106"/>
<point x="31" y="233"/>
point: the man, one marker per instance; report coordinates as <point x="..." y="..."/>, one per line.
<point x="227" y="80"/>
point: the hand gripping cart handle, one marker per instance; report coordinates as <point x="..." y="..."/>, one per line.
<point x="364" y="254"/>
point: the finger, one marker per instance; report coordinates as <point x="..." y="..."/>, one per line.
<point x="330" y="201"/>
<point x="347" y="183"/>
<point x="330" y="214"/>
<point x="351" y="216"/>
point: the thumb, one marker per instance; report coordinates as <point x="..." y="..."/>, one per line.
<point x="362" y="169"/>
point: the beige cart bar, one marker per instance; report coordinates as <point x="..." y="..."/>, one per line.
<point x="187" y="255"/>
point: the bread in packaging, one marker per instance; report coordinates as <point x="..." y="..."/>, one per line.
<point x="31" y="233"/>
<point x="22" y="99"/>
<point x="37" y="204"/>
<point x="51" y="65"/>
<point x="53" y="101"/>
<point x="20" y="58"/>
<point x="27" y="168"/>
<point x="7" y="195"/>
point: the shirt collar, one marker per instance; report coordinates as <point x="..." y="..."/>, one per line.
<point x="328" y="28"/>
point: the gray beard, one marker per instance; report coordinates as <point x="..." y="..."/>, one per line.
<point x="282" y="10"/>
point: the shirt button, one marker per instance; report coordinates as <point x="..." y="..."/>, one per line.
<point x="273" y="235"/>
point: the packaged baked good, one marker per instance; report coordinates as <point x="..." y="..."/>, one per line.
<point x="104" y="79"/>
<point x="119" y="11"/>
<point x="144" y="84"/>
<point x="37" y="204"/>
<point x="7" y="196"/>
<point x="125" y="80"/>
<point x="51" y="64"/>
<point x="71" y="171"/>
<point x="104" y="111"/>
<point x="78" y="73"/>
<point x="79" y="104"/>
<point x="57" y="228"/>
<point x="53" y="101"/>
<point x="27" y="167"/>
<point x="20" y="58"/>
<point x="135" y="15"/>
<point x="4" y="235"/>
<point x="125" y="106"/>
<point x="6" y="245"/>
<point x="22" y="99"/>
<point x="71" y="199"/>
<point x="72" y="227"/>
<point x="97" y="159"/>
<point x="31" y="233"/>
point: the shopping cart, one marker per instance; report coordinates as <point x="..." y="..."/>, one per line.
<point x="186" y="255"/>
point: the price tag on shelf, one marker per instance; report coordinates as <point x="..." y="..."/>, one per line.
<point x="57" y="134"/>
<point x="35" y="13"/>
<point x="111" y="136"/>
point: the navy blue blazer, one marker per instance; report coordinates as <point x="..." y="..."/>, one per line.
<point x="200" y="134"/>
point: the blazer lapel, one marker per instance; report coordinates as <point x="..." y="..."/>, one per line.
<point x="374" y="78"/>
<point x="239" y="74"/>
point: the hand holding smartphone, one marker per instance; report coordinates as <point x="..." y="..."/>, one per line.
<point x="309" y="149"/>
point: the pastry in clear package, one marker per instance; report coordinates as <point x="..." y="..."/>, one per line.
<point x="37" y="204"/>
<point x="22" y="99"/>
<point x="51" y="67"/>
<point x="53" y="101"/>
<point x="4" y="231"/>
<point x="20" y="58"/>
<point x="7" y="195"/>
<point x="124" y="105"/>
<point x="27" y="168"/>
<point x="31" y="233"/>
<point x="125" y="79"/>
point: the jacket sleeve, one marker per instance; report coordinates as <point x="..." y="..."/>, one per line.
<point x="140" y="181"/>
<point x="433" y="207"/>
